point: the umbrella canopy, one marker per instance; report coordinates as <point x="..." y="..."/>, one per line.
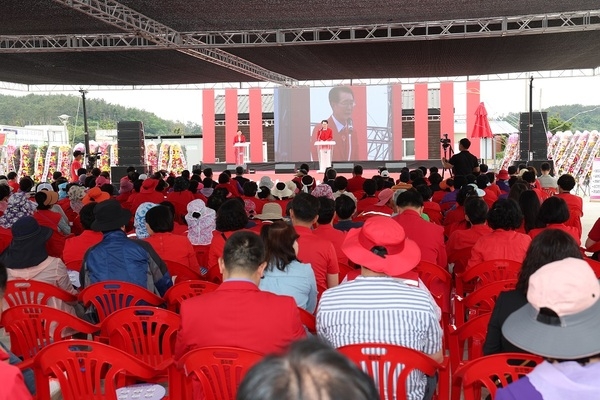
<point x="482" y="125"/>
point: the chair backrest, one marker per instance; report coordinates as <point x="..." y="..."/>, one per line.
<point x="595" y="266"/>
<point x="219" y="369"/>
<point x="145" y="332"/>
<point x="181" y="273"/>
<point x="493" y="371"/>
<point x="472" y="334"/>
<point x="87" y="370"/>
<point x="487" y="272"/>
<point x="382" y="361"/>
<point x="481" y="301"/>
<point x="19" y="292"/>
<point x="110" y="296"/>
<point x="308" y="320"/>
<point x="461" y="259"/>
<point x="438" y="281"/>
<point x="33" y="327"/>
<point x="184" y="290"/>
<point x="344" y="269"/>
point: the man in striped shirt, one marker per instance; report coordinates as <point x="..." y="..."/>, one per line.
<point x="378" y="308"/>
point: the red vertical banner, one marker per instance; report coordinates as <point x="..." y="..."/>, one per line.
<point x="447" y="110"/>
<point x="231" y="123"/>
<point x="208" y="126"/>
<point x="397" y="149"/>
<point x="421" y="122"/>
<point x="256" y="124"/>
<point x="359" y="116"/>
<point x="473" y="99"/>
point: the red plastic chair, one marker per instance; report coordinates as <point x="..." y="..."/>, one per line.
<point x="21" y="292"/>
<point x="220" y="371"/>
<point x="147" y="333"/>
<point x="110" y="296"/>
<point x="380" y="361"/>
<point x="308" y="320"/>
<point x="595" y="266"/>
<point x="87" y="370"/>
<point x="33" y="327"/>
<point x="214" y="275"/>
<point x="439" y="283"/>
<point x="460" y="259"/>
<point x="185" y="290"/>
<point x="481" y="301"/>
<point x="491" y="372"/>
<point x="472" y="335"/>
<point x="181" y="273"/>
<point x="344" y="270"/>
<point x="486" y="272"/>
<point x="202" y="254"/>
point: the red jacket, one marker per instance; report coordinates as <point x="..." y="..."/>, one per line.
<point x="176" y="248"/>
<point x="240" y="315"/>
<point x="336" y="237"/>
<point x="76" y="246"/>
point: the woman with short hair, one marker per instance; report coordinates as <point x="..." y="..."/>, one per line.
<point x="285" y="274"/>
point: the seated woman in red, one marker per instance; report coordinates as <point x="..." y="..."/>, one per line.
<point x="170" y="247"/>
<point x="45" y="217"/>
<point x="552" y="215"/>
<point x="180" y="197"/>
<point x="26" y="258"/>
<point x="504" y="242"/>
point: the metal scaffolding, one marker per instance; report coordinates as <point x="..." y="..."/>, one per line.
<point x="144" y="33"/>
<point x="120" y="16"/>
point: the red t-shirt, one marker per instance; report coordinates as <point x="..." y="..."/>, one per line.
<point x="355" y="183"/>
<point x="575" y="205"/>
<point x="365" y="203"/>
<point x="75" y="165"/>
<point x="337" y="237"/>
<point x="319" y="253"/>
<point x="429" y="237"/>
<point x="76" y="246"/>
<point x="433" y="211"/>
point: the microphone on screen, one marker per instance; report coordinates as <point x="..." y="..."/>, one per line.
<point x="350" y="124"/>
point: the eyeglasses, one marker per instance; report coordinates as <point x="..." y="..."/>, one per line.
<point x="347" y="103"/>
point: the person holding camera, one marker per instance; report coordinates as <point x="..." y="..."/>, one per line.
<point x="462" y="163"/>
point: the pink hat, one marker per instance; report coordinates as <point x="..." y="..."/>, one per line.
<point x="562" y="318"/>
<point x="384" y="196"/>
<point x="323" y="190"/>
<point x="101" y="180"/>
<point x="402" y="256"/>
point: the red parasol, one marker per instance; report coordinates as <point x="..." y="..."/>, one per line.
<point x="482" y="125"/>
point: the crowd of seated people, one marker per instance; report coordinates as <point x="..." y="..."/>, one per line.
<point x="292" y="238"/>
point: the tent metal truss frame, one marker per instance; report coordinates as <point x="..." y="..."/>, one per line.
<point x="144" y="33"/>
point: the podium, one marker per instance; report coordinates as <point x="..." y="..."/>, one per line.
<point x="242" y="153"/>
<point x="324" y="150"/>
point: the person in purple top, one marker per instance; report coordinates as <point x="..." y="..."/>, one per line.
<point x="560" y="322"/>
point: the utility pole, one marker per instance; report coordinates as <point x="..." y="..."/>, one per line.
<point x="86" y="135"/>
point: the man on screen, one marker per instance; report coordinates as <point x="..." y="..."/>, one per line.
<point x="341" y="99"/>
<point x="239" y="151"/>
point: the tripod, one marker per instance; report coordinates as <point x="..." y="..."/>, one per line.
<point x="448" y="150"/>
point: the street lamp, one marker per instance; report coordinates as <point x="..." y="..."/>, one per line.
<point x="64" y="119"/>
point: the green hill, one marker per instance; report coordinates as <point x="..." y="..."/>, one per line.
<point x="575" y="117"/>
<point x="35" y="109"/>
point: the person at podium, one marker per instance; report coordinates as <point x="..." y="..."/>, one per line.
<point x="239" y="151"/>
<point x="341" y="99"/>
<point x="325" y="133"/>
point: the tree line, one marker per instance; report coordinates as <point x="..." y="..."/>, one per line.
<point x="35" y="109"/>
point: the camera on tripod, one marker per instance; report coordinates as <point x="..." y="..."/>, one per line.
<point x="445" y="141"/>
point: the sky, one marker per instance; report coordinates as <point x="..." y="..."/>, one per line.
<point x="500" y="97"/>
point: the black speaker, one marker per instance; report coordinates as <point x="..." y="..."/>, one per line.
<point x="281" y="168"/>
<point x="130" y="142"/>
<point x="538" y="144"/>
<point x="343" y="167"/>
